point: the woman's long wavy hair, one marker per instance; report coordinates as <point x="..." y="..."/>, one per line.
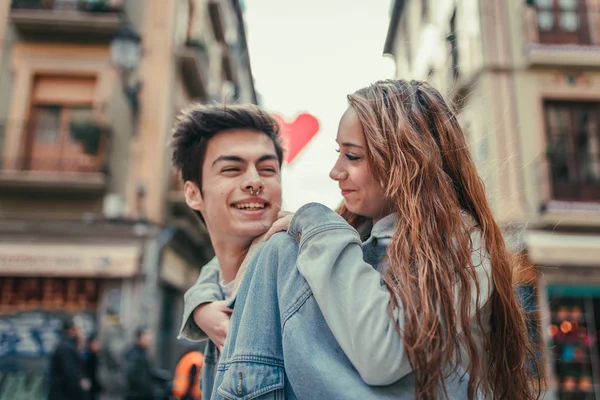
<point x="417" y="151"/>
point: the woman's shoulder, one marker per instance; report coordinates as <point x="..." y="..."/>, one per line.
<point x="281" y="242"/>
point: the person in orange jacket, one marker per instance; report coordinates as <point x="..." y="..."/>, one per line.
<point x="186" y="383"/>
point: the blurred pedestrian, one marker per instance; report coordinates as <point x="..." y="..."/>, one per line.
<point x="186" y="383"/>
<point x="139" y="369"/>
<point x="90" y="367"/>
<point x="111" y="363"/>
<point x="65" y="365"/>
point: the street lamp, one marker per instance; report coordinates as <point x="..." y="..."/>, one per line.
<point x="125" y="52"/>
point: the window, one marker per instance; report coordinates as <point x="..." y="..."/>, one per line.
<point x="573" y="150"/>
<point x="562" y="21"/>
<point x="61" y="133"/>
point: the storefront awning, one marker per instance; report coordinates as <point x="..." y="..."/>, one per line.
<point x="69" y="260"/>
<point x="562" y="249"/>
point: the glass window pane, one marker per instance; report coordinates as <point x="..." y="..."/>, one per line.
<point x="545" y="20"/>
<point x="569" y="21"/>
<point x="587" y="139"/>
<point x="558" y="143"/>
<point x="567" y="5"/>
<point x="46" y="124"/>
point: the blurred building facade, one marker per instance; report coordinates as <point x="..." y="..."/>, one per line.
<point x="92" y="219"/>
<point x="524" y="76"/>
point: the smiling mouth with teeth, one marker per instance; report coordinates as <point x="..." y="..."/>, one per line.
<point x="250" y="206"/>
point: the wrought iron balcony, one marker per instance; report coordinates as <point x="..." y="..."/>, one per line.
<point x="559" y="37"/>
<point x="74" y="165"/>
<point x="60" y="19"/>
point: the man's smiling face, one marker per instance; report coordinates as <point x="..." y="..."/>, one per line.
<point x="241" y="185"/>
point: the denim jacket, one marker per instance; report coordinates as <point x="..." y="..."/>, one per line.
<point x="282" y="343"/>
<point x="330" y="260"/>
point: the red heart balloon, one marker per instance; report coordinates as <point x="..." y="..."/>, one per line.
<point x="297" y="134"/>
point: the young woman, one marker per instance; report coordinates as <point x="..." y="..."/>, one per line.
<point x="448" y="303"/>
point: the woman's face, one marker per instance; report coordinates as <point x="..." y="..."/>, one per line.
<point x="364" y="196"/>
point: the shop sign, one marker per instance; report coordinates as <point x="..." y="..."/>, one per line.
<point x="68" y="260"/>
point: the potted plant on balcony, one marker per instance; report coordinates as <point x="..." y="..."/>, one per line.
<point x="197" y="44"/>
<point x="90" y="135"/>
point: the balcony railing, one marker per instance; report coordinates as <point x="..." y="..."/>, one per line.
<point x="62" y="175"/>
<point x="79" y="164"/>
<point x="557" y="37"/>
<point x="68" y="5"/>
<point x="57" y="18"/>
<point x="59" y="165"/>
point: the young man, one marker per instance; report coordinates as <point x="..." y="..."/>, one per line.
<point x="139" y="369"/>
<point x="230" y="159"/>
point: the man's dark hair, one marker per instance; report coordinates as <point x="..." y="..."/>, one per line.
<point x="199" y="123"/>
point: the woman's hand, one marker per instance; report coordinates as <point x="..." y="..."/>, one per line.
<point x="282" y="224"/>
<point x="213" y="319"/>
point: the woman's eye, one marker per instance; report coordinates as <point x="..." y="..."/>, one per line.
<point x="337" y="150"/>
<point x="271" y="170"/>
<point x="352" y="157"/>
<point x="230" y="169"/>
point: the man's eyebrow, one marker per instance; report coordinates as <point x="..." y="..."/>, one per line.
<point x="236" y="159"/>
<point x="268" y="157"/>
<point x="228" y="158"/>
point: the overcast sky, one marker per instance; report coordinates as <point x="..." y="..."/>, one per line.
<point x="306" y="57"/>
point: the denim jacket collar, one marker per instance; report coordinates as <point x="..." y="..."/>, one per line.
<point x="384" y="228"/>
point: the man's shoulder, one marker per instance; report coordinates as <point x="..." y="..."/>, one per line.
<point x="213" y="263"/>
<point x="212" y="267"/>
<point x="66" y="345"/>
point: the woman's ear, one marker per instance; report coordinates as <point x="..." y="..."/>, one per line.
<point x="193" y="196"/>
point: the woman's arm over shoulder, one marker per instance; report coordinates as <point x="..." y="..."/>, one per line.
<point x="350" y="294"/>
<point x="205" y="290"/>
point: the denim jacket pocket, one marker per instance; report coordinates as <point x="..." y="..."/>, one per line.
<point x="252" y="380"/>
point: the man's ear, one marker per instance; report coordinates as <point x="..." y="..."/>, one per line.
<point x="193" y="197"/>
